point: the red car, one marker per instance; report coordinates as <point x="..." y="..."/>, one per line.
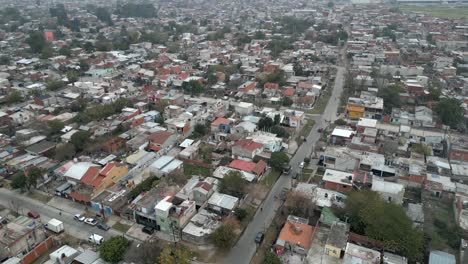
<point x="33" y="214"/>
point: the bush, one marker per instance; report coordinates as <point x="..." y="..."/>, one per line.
<point x="144" y="186"/>
<point x="340" y="122"/>
<point x="113" y="249"/>
<point x="240" y="214"/>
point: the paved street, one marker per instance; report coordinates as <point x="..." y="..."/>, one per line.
<point x="72" y="227"/>
<point x="245" y="248"/>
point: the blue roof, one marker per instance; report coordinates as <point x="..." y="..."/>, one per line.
<point x="440" y="257"/>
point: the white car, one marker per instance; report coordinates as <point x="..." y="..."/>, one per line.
<point x="301" y="165"/>
<point x="79" y="217"/>
<point x="90" y="221"/>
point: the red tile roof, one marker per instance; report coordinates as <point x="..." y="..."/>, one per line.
<point x="107" y="168"/>
<point x="204" y="185"/>
<point x="159" y="137"/>
<point x="90" y="175"/>
<point x="297" y="234"/>
<point x="289" y="92"/>
<point x="248" y="144"/>
<point x="80" y="197"/>
<point x="221" y="120"/>
<point x="242" y="165"/>
<point x="260" y="167"/>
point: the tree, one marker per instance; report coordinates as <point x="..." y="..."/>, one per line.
<point x="199" y="130"/>
<point x="65" y="152"/>
<point x="391" y="97"/>
<point x="65" y="51"/>
<point x="113" y="249"/>
<point x="299" y="204"/>
<point x="72" y="76"/>
<point x="79" y="140"/>
<point x="19" y="181"/>
<point x="340" y="122"/>
<point x="278" y="160"/>
<point x="181" y="256"/>
<point x="279" y="131"/>
<point x="271" y="258"/>
<point x="240" y="213"/>
<point x="224" y="236"/>
<point x="233" y="184"/>
<point x="84" y="66"/>
<point x="36" y="41"/>
<point x="277" y="119"/>
<point x="15" y="97"/>
<point x="369" y="215"/>
<point x="330" y="4"/>
<point x="33" y="175"/>
<point x="450" y="112"/>
<point x="104" y="15"/>
<point x="435" y="93"/>
<point x="265" y="123"/>
<point x="47" y="52"/>
<point x="287" y="101"/>
<point x="193" y="87"/>
<point x="55" y="126"/>
<point x="4" y="60"/>
<point x="54" y="85"/>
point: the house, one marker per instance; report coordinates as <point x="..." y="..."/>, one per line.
<point x="295" y="236"/>
<point x="77" y="171"/>
<point x="341" y="136"/>
<point x="244" y="128"/>
<point x="270" y="141"/>
<point x="338" y="180"/>
<point x="389" y="258"/>
<point x="172" y="215"/>
<point x="246" y="148"/>
<point x="197" y="190"/>
<point x="244" y="108"/>
<point x="222" y="204"/>
<point x="142" y="208"/>
<point x="221" y="125"/>
<point x="389" y="191"/>
<point x="161" y="141"/>
<point x="201" y="227"/>
<point x="355" y="111"/>
<point x="165" y="165"/>
<point x="42" y="148"/>
<point x="437" y="257"/>
<point x="336" y="241"/>
<point x="20" y="236"/>
<point x="359" y="254"/>
<point x="258" y="168"/>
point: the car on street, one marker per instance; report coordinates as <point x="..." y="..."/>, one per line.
<point x="91" y="221"/>
<point x="33" y="214"/>
<point x="320" y="130"/>
<point x="147" y="230"/>
<point x="79" y="217"/>
<point x="301" y="165"/>
<point x="103" y="226"/>
<point x="259" y="237"/>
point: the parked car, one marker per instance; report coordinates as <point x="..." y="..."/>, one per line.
<point x="91" y="221"/>
<point x="103" y="226"/>
<point x="259" y="237"/>
<point x="320" y="130"/>
<point x="79" y="217"/>
<point x="301" y="165"/>
<point x="33" y="214"/>
<point x="147" y="230"/>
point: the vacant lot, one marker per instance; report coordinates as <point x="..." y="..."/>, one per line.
<point x="439" y="11"/>
<point x="191" y="169"/>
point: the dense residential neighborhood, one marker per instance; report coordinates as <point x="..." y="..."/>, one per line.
<point x="233" y="132"/>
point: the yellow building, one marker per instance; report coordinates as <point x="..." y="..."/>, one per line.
<point x="110" y="174"/>
<point x="355" y="111"/>
<point x="336" y="242"/>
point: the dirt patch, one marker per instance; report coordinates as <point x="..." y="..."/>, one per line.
<point x="42" y="197"/>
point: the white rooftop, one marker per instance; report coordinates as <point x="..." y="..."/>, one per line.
<point x="342" y="132"/>
<point x="340" y="177"/>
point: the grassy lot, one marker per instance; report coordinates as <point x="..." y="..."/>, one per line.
<point x="304" y="132"/>
<point x="38" y="196"/>
<point x="270" y="179"/>
<point x="121" y="227"/>
<point x="440" y="225"/>
<point x="439" y="11"/>
<point x="321" y="103"/>
<point x="191" y="169"/>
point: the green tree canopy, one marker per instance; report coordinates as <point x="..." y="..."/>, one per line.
<point x="54" y="85"/>
<point x="391" y="97"/>
<point x="55" y="126"/>
<point x="233" y="184"/>
<point x="113" y="249"/>
<point x="271" y="258"/>
<point x="224" y="236"/>
<point x="33" y="175"/>
<point x="72" y="76"/>
<point x="450" y="112"/>
<point x="104" y="15"/>
<point x="278" y="160"/>
<point x="19" y="181"/>
<point x="65" y="152"/>
<point x="265" y="123"/>
<point x="15" y="97"/>
<point x="80" y="139"/>
<point x="385" y="221"/>
<point x="36" y="41"/>
<point x="193" y="87"/>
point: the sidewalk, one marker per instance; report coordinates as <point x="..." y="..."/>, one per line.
<point x="66" y="205"/>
